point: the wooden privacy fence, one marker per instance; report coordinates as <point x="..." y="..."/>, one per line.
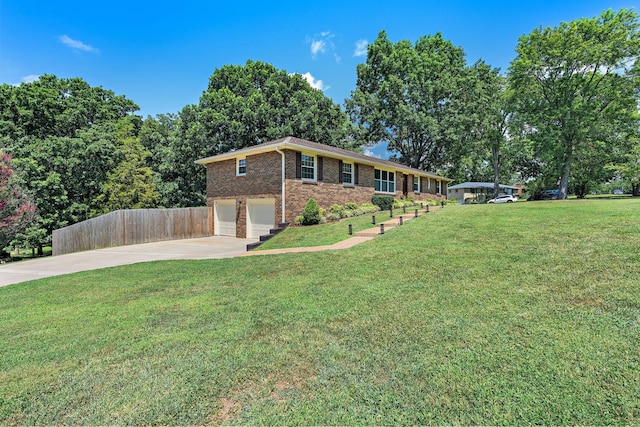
<point x="133" y="226"/>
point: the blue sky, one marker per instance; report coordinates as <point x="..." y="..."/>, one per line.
<point x="161" y="54"/>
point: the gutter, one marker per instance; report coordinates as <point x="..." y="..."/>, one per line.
<point x="283" y="192"/>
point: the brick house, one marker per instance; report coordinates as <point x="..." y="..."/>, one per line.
<point x="253" y="189"/>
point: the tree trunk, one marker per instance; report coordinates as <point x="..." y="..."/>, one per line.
<point x="496" y="171"/>
<point x="635" y="190"/>
<point x="564" y="179"/>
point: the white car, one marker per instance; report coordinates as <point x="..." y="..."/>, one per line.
<point x="507" y="198"/>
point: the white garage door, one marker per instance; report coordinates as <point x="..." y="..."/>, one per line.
<point x="225" y="218"/>
<point x="261" y="217"/>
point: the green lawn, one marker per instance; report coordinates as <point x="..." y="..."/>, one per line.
<point x="525" y="313"/>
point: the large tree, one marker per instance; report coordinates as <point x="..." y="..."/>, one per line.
<point x="576" y="92"/>
<point x="242" y="106"/>
<point x="61" y="133"/>
<point x="418" y="98"/>
<point x="489" y="153"/>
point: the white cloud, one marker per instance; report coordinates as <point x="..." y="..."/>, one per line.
<point x="30" y="78"/>
<point x="361" y="48"/>
<point x="26" y="79"/>
<point x="316" y="84"/>
<point x="321" y="43"/>
<point x="369" y="152"/>
<point x="76" y="44"/>
<point x="318" y="46"/>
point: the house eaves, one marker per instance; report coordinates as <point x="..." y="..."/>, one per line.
<point x="297" y="144"/>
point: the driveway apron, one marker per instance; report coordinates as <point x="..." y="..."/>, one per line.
<point x="200" y="248"/>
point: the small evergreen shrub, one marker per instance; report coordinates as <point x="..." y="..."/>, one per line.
<point x="311" y="213"/>
<point x="383" y="202"/>
<point x="351" y="206"/>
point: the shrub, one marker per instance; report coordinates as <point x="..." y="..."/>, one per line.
<point x="336" y="210"/>
<point x="366" y="208"/>
<point x="383" y="202"/>
<point x="311" y="213"/>
<point x="351" y="206"/>
<point x="299" y="220"/>
<point x="333" y="216"/>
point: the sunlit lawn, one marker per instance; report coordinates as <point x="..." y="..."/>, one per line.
<point x="526" y="313"/>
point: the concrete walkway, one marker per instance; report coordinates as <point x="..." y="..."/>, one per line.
<point x="361" y="236"/>
<point x="201" y="248"/>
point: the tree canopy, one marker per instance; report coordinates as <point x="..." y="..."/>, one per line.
<point x="61" y="134"/>
<point x="575" y="88"/>
<point x="416" y="98"/>
<point x="242" y="106"/>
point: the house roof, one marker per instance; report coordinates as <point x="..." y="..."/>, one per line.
<point x="478" y="185"/>
<point x="298" y="144"/>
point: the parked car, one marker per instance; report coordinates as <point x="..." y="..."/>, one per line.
<point x="550" y="194"/>
<point x="618" y="192"/>
<point x="507" y="198"/>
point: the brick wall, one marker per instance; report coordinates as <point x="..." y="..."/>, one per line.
<point x="326" y="194"/>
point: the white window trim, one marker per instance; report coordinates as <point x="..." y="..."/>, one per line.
<point x="414" y="184"/>
<point x="315" y="167"/>
<point x="238" y="173"/>
<point x="391" y="173"/>
<point x="345" y="182"/>
<point x="438" y="187"/>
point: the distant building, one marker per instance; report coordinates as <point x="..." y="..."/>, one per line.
<point x="478" y="192"/>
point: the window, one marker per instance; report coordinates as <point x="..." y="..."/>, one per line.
<point x="308" y="167"/>
<point x="347" y="173"/>
<point x="242" y="167"/>
<point x="385" y="181"/>
<point x="438" y="186"/>
<point x="416" y="184"/>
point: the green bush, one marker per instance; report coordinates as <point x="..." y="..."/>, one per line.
<point x="366" y="208"/>
<point x="336" y="210"/>
<point x="383" y="202"/>
<point x="299" y="220"/>
<point x="351" y="206"/>
<point x="333" y="216"/>
<point x="311" y="213"/>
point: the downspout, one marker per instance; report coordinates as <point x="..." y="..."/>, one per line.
<point x="283" y="196"/>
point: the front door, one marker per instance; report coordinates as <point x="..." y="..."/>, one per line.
<point x="405" y="184"/>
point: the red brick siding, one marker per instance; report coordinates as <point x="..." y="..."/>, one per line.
<point x="326" y="194"/>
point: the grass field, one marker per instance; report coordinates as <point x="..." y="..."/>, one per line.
<point x="525" y="313"/>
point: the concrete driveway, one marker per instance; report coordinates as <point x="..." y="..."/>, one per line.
<point x="201" y="248"/>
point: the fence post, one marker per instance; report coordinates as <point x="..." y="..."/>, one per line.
<point x="381" y="228"/>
